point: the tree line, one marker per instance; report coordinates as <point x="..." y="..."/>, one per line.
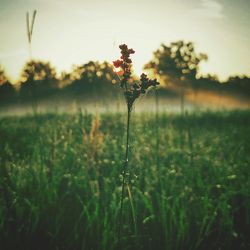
<point x="177" y="65"/>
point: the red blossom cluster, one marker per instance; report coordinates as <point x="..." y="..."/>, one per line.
<point x="131" y="92"/>
<point x="124" y="63"/>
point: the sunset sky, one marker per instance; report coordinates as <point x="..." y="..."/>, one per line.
<point x="70" y="32"/>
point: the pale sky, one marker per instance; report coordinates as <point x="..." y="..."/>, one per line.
<point x="68" y="32"/>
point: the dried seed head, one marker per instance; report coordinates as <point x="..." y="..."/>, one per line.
<point x="131" y="92"/>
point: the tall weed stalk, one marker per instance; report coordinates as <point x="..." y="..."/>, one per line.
<point x="30" y="26"/>
<point x="131" y="91"/>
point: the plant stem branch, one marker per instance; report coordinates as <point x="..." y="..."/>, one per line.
<point x="124" y="173"/>
<point x="157" y="127"/>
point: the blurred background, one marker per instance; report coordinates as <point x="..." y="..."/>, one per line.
<point x="187" y="157"/>
<point x="61" y="57"/>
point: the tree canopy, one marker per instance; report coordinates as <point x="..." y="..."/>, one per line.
<point x="37" y="78"/>
<point x="38" y="71"/>
<point x="177" y="64"/>
<point x="93" y="77"/>
<point x="177" y="61"/>
<point x="7" y="90"/>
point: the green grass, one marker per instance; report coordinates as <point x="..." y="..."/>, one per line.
<point x="60" y="182"/>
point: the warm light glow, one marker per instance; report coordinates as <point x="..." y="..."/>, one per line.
<point x="117" y="70"/>
<point x="74" y="32"/>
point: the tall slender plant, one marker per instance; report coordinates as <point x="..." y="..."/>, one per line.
<point x="30" y="27"/>
<point x="131" y="91"/>
<point x="157" y="137"/>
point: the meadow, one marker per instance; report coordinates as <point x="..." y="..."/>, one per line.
<point x="60" y="181"/>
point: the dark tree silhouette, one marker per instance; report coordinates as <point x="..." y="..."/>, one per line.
<point x="3" y="77"/>
<point x="239" y="85"/>
<point x="93" y="78"/>
<point x="177" y="64"/>
<point x="207" y="82"/>
<point x="178" y="61"/>
<point x="65" y="79"/>
<point x="7" y="90"/>
<point x="38" y="79"/>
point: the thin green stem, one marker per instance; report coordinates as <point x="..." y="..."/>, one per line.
<point x="124" y="173"/>
<point x="157" y="127"/>
<point x="132" y="208"/>
<point x="30" y="51"/>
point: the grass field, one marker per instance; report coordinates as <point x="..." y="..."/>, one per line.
<point x="60" y="181"/>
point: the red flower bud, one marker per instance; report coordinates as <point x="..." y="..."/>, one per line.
<point x="117" y="63"/>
